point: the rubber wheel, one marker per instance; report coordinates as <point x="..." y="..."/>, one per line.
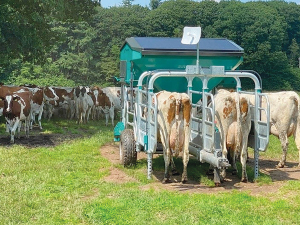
<point x="128" y="154"/>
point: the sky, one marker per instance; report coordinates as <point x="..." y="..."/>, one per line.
<point x="109" y="3"/>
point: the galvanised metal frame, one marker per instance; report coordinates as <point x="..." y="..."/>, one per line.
<point x="145" y="127"/>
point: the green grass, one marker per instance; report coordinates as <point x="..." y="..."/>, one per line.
<point x="274" y="150"/>
<point x="65" y="185"/>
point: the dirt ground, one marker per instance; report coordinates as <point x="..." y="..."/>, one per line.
<point x="111" y="152"/>
<point x="279" y="177"/>
<point x="37" y="139"/>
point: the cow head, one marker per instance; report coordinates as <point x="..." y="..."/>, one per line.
<point x="83" y="91"/>
<point x="49" y="94"/>
<point x="9" y="103"/>
<point x="96" y="93"/>
<point x="77" y="92"/>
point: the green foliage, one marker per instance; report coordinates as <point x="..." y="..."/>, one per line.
<point x="154" y="4"/>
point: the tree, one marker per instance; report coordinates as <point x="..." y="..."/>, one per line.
<point x="154" y="4"/>
<point x="25" y="31"/>
<point x="294" y="53"/>
<point x="127" y="3"/>
<point x="170" y="18"/>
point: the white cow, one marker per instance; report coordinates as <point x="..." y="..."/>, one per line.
<point x="83" y="103"/>
<point x="109" y="99"/>
<point x="173" y="118"/>
<point x="233" y="119"/>
<point x="284" y="119"/>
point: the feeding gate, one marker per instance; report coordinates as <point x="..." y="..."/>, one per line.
<point x="188" y="65"/>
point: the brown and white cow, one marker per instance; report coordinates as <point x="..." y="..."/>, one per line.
<point x="173" y="118"/>
<point x="5" y="90"/>
<point x="109" y="99"/>
<point x="39" y="97"/>
<point x="65" y="105"/>
<point x="233" y="119"/>
<point x="17" y="108"/>
<point x="284" y="119"/>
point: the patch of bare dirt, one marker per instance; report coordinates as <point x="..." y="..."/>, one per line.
<point x="37" y="139"/>
<point x="232" y="182"/>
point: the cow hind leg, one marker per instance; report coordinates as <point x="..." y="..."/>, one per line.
<point x="284" y="145"/>
<point x="173" y="168"/>
<point x="297" y="139"/>
<point x="112" y="116"/>
<point x="167" y="158"/>
<point x="106" y="119"/>
<point x="244" y="162"/>
<point x="40" y="120"/>
<point x="232" y="160"/>
<point x="185" y="159"/>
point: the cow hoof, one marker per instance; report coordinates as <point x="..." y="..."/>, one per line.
<point x="234" y="172"/>
<point x="280" y="165"/>
<point x="218" y="184"/>
<point x="166" y="181"/>
<point x="175" y="172"/>
<point x="245" y="180"/>
<point x="184" y="181"/>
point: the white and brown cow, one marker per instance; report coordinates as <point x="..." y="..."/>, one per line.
<point x="65" y="105"/>
<point x="233" y="119"/>
<point x="17" y="108"/>
<point x="8" y="89"/>
<point x="109" y="99"/>
<point x="173" y="118"/>
<point x="40" y="95"/>
<point x="284" y="119"/>
<point x="83" y="104"/>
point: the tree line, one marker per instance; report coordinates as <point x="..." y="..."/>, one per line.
<point x="77" y="42"/>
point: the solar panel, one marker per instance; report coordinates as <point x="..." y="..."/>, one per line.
<point x="174" y="44"/>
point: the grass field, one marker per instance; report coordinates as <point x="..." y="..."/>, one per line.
<point x="64" y="184"/>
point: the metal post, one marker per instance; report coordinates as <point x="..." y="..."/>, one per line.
<point x="197" y="62"/>
<point x="149" y="167"/>
<point x="256" y="168"/>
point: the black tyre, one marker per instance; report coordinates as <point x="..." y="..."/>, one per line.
<point x="128" y="154"/>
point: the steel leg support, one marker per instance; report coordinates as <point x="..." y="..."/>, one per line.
<point x="256" y="169"/>
<point x="149" y="161"/>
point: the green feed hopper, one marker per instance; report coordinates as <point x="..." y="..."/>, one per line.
<point x="140" y="54"/>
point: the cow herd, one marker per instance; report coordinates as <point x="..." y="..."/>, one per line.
<point x="24" y="103"/>
<point x="232" y="116"/>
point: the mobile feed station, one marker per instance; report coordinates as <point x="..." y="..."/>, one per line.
<point x="153" y="64"/>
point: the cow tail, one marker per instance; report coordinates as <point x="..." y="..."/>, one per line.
<point x="297" y="130"/>
<point x="239" y="123"/>
<point x="177" y="110"/>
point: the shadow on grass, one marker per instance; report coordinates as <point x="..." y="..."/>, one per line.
<point x="197" y="173"/>
<point x="55" y="132"/>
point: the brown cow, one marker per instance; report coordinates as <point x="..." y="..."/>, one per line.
<point x="17" y="108"/>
